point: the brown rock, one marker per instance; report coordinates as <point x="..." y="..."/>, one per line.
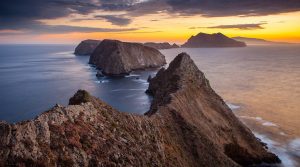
<point x="117" y="58"/>
<point x="188" y="125"/>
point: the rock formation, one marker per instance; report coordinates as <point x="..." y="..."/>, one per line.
<point x="188" y="124"/>
<point x="116" y="58"/>
<point x="164" y="45"/>
<point x="203" y="40"/>
<point x="86" y="47"/>
<point x="257" y="41"/>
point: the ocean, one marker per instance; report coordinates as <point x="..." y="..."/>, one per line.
<point x="260" y="83"/>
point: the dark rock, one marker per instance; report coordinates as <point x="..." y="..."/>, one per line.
<point x="86" y="47"/>
<point x="188" y="125"/>
<point x="203" y="40"/>
<point x="149" y="78"/>
<point x="99" y="74"/>
<point x="164" y="45"/>
<point x="120" y="58"/>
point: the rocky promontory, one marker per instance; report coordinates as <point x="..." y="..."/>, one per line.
<point x="114" y="57"/>
<point x="86" y="47"/>
<point x="203" y="40"/>
<point x="164" y="45"/>
<point x="188" y="124"/>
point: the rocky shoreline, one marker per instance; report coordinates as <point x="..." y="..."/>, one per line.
<point x="188" y="124"/>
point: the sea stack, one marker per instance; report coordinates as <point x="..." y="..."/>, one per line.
<point x="114" y="57"/>
<point x="86" y="47"/>
<point x="164" y="45"/>
<point x="203" y="40"/>
<point x="188" y="124"/>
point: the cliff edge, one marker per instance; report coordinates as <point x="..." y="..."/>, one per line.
<point x="188" y="124"/>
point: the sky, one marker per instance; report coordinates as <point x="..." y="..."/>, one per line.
<point x="71" y="21"/>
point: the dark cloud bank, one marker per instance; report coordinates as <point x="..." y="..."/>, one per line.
<point x="23" y="14"/>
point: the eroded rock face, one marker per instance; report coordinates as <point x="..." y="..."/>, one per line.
<point x="188" y="125"/>
<point x="86" y="47"/>
<point x="164" y="45"/>
<point x="203" y="40"/>
<point x="117" y="58"/>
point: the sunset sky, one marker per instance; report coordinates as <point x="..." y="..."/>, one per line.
<point x="70" y="21"/>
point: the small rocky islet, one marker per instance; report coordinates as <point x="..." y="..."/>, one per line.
<point x="188" y="124"/>
<point x="86" y="47"/>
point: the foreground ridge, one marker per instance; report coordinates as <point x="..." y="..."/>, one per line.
<point x="188" y="124"/>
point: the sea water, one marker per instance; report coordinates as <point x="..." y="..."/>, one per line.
<point x="260" y="83"/>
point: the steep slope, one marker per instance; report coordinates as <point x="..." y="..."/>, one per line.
<point x="188" y="125"/>
<point x="203" y="40"/>
<point x="116" y="57"/>
<point x="86" y="47"/>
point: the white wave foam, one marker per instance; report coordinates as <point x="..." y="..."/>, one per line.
<point x="294" y="146"/>
<point x="116" y="90"/>
<point x="267" y="123"/>
<point x="279" y="149"/>
<point x="232" y="106"/>
<point x="259" y="119"/>
<point x="102" y="81"/>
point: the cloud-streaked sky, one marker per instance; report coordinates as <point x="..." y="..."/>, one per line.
<point x="70" y="21"/>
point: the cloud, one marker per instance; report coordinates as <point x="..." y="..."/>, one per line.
<point x="115" y="19"/>
<point x="24" y="14"/>
<point x="216" y="8"/>
<point x="238" y="26"/>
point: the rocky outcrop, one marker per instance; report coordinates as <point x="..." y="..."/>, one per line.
<point x="188" y="125"/>
<point x="86" y="47"/>
<point x="203" y="40"/>
<point x="116" y="58"/>
<point x="164" y="45"/>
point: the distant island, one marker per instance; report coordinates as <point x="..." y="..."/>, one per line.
<point x="86" y="47"/>
<point x="203" y="40"/>
<point x="164" y="45"/>
<point x="115" y="57"/>
<point x="257" y="41"/>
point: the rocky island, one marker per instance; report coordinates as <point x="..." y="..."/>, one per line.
<point x="114" y="57"/>
<point x="164" y="45"/>
<point x="203" y="40"/>
<point x="188" y="124"/>
<point x="86" y="47"/>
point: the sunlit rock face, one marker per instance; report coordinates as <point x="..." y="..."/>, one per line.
<point x="188" y="124"/>
<point x="116" y="58"/>
<point x="203" y="40"/>
<point x="86" y="47"/>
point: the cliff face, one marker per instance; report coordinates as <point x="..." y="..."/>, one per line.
<point x="188" y="125"/>
<point x="164" y="45"/>
<point x="116" y="57"/>
<point x="86" y="47"/>
<point x="212" y="40"/>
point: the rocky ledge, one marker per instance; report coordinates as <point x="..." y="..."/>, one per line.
<point x="86" y="47"/>
<point x="203" y="40"/>
<point x="188" y="125"/>
<point x="164" y="45"/>
<point x="114" y="57"/>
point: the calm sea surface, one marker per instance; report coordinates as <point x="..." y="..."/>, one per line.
<point x="260" y="83"/>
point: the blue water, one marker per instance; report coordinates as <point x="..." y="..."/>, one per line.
<point x="33" y="78"/>
<point x="261" y="84"/>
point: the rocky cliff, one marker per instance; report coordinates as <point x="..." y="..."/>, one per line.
<point x="164" y="45"/>
<point x="203" y="40"/>
<point x="188" y="124"/>
<point x="86" y="47"/>
<point x="116" y="57"/>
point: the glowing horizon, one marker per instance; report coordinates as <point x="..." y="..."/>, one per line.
<point x="158" y="26"/>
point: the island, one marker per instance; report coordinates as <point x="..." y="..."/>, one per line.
<point x="203" y="40"/>
<point x="86" y="47"/>
<point x="115" y="57"/>
<point x="164" y="45"/>
<point x="188" y="124"/>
